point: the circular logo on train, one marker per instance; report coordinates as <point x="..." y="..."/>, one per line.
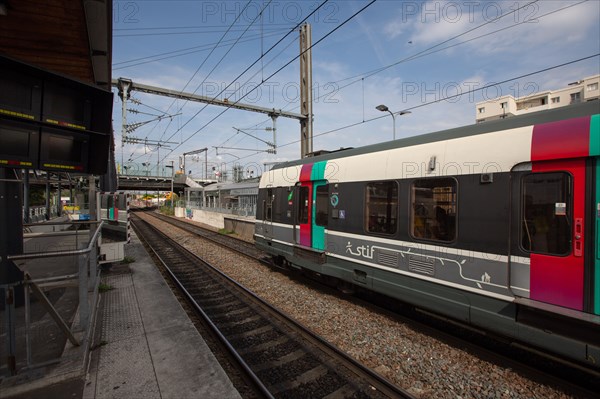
<point x="334" y="200"/>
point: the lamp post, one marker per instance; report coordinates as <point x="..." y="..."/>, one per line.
<point x="172" y="166"/>
<point x="146" y="164"/>
<point x="384" y="108"/>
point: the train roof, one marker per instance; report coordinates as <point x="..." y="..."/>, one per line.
<point x="231" y="186"/>
<point x="562" y="113"/>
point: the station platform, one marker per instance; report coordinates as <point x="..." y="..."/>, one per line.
<point x="144" y="346"/>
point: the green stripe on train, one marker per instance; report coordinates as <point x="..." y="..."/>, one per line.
<point x="317" y="175"/>
<point x="595" y="151"/>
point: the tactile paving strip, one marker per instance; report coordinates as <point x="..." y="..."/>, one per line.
<point x="121" y="318"/>
<point x="125" y="366"/>
<point x="125" y="370"/>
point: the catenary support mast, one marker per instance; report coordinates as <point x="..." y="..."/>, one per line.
<point x="306" y="124"/>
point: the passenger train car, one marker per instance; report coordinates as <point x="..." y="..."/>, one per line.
<point x="495" y="225"/>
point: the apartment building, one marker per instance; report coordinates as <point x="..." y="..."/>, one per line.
<point x="506" y="106"/>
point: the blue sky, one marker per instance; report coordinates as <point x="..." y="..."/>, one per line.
<point x="408" y="55"/>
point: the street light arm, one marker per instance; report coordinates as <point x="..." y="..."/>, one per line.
<point x="384" y="108"/>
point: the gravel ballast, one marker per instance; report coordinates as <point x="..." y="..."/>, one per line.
<point x="426" y="367"/>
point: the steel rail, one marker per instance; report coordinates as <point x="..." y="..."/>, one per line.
<point x="255" y="380"/>
<point x="383" y="385"/>
<point x="517" y="365"/>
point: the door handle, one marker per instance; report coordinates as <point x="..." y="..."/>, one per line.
<point x="578" y="242"/>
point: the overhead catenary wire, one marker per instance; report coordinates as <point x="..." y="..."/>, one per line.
<point x="267" y="64"/>
<point x="360" y="77"/>
<point x="279" y="70"/>
<point x="217" y="64"/>
<point x="183" y="33"/>
<point x="260" y="70"/>
<point x="493" y="20"/>
<point x="451" y="97"/>
<point x="420" y="55"/>
<point x="201" y="65"/>
<point x="424" y="53"/>
<point x="203" y="62"/>
<point x="188" y="27"/>
<point x="254" y="63"/>
<point x="148" y="106"/>
<point x="211" y="71"/>
<point x="428" y="51"/>
<point x="186" y="51"/>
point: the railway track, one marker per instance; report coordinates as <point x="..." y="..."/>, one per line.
<point x="280" y="356"/>
<point x="237" y="245"/>
<point x="581" y="382"/>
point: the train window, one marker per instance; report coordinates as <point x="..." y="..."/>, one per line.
<point x="433" y="205"/>
<point x="546" y="213"/>
<point x="381" y="214"/>
<point x="321" y="205"/>
<point x="303" y="205"/>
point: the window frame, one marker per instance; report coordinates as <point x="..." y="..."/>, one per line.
<point x="454" y="203"/>
<point x="569" y="209"/>
<point x="395" y="210"/>
<point x="303" y="215"/>
<point x="321" y="202"/>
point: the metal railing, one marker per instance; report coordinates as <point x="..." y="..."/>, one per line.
<point x="38" y="213"/>
<point x="229" y="209"/>
<point x="140" y="170"/>
<point x="86" y="279"/>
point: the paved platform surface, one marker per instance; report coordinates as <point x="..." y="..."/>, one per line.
<point x="144" y="346"/>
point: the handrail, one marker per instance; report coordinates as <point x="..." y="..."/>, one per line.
<point x="61" y="223"/>
<point x="51" y="254"/>
<point x="57" y="233"/>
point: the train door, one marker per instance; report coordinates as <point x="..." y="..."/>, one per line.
<point x="312" y="213"/>
<point x="268" y="213"/>
<point x="311" y="207"/>
<point x="320" y="213"/>
<point x="596" y="228"/>
<point x="553" y="229"/>
<point x="303" y="227"/>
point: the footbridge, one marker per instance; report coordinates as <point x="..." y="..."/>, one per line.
<point x="131" y="178"/>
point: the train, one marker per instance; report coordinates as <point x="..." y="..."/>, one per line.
<point x="495" y="225"/>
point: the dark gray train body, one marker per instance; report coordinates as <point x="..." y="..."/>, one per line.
<point x="495" y="225"/>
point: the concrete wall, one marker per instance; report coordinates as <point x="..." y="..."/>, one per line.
<point x="213" y="219"/>
<point x="242" y="226"/>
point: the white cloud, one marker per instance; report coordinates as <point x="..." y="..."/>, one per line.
<point x="559" y="37"/>
<point x="393" y="29"/>
<point x="515" y="32"/>
<point x="374" y="41"/>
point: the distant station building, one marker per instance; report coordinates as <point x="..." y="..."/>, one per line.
<point x="587" y="89"/>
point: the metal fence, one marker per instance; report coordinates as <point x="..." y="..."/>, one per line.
<point x="56" y="301"/>
<point x="39" y="213"/>
<point x="229" y="209"/>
